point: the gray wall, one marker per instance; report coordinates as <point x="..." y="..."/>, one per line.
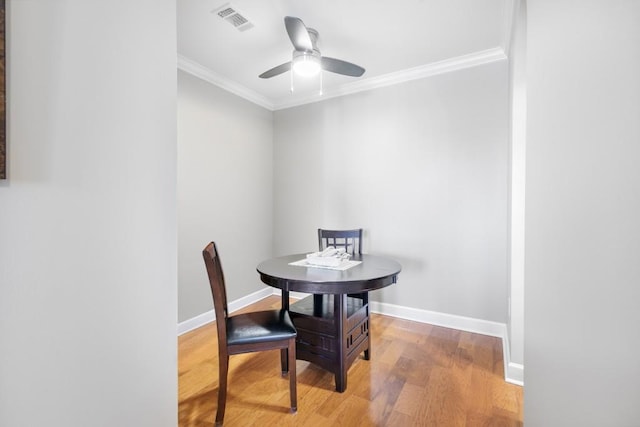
<point x="88" y="216"/>
<point x="225" y="190"/>
<point x="423" y="168"/>
<point x="582" y="265"/>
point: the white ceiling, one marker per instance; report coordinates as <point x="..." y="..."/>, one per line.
<point x="393" y="40"/>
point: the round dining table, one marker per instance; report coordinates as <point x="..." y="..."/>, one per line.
<point x="333" y="323"/>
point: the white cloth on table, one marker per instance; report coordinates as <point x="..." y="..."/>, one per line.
<point x="330" y="257"/>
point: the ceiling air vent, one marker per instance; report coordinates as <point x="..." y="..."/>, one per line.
<point x="233" y="17"/>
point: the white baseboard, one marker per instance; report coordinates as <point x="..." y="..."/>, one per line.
<point x="513" y="372"/>
<point x="210" y="316"/>
<point x="196" y="322"/>
<point x="453" y="321"/>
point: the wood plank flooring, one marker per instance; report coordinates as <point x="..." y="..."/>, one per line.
<point x="418" y="375"/>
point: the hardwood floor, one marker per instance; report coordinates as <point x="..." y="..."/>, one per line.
<point x="418" y="375"/>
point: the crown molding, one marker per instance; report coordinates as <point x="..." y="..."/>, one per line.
<point x="432" y="69"/>
<point x="510" y="16"/>
<point x="192" y="67"/>
<point x="435" y="68"/>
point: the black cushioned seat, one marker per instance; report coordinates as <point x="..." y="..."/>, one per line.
<point x="260" y="326"/>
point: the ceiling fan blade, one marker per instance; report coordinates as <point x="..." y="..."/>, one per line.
<point x="339" y="66"/>
<point x="298" y="33"/>
<point x="282" y="68"/>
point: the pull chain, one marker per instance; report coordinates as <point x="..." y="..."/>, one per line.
<point x="291" y="73"/>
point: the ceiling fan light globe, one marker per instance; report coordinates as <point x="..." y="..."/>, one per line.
<point x="306" y="65"/>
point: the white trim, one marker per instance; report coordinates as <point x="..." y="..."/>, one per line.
<point x="192" y="67"/>
<point x="440" y="67"/>
<point x="517" y="189"/>
<point x="209" y="316"/>
<point x="510" y="14"/>
<point x="513" y="372"/>
<point x="196" y="322"/>
<point x="469" y="324"/>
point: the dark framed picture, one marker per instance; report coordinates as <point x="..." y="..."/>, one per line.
<point x="3" y="102"/>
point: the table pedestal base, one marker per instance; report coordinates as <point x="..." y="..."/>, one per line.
<point x="332" y="331"/>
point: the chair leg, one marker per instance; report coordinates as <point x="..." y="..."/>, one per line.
<point x="222" y="388"/>
<point x="292" y="375"/>
<point x="284" y="361"/>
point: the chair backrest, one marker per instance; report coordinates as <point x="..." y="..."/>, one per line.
<point x="350" y="240"/>
<point x="218" y="290"/>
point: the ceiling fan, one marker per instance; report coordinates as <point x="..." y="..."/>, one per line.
<point x="306" y="58"/>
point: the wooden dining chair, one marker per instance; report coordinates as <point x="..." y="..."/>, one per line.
<point x="350" y="240"/>
<point x="248" y="332"/>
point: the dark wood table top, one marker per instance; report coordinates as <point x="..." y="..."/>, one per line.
<point x="374" y="272"/>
